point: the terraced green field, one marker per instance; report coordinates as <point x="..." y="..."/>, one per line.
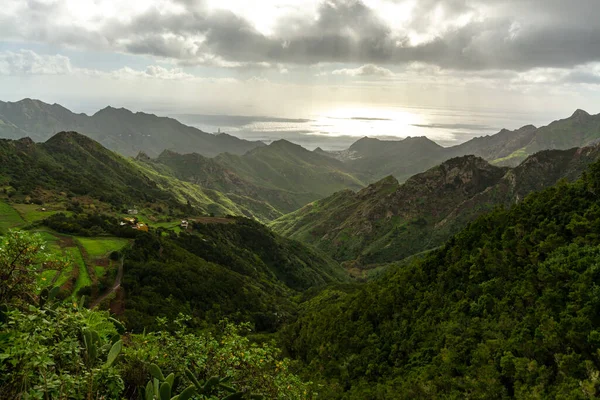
<point x="100" y="246"/>
<point x="33" y="212"/>
<point x="84" y="278"/>
<point x="9" y="218"/>
<point x="82" y="252"/>
<point x="53" y="246"/>
<point x="171" y="225"/>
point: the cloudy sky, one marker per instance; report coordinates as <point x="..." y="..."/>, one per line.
<point x="297" y="57"/>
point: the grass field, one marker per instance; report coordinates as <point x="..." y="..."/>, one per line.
<point x="46" y="277"/>
<point x="51" y="241"/>
<point x="171" y="225"/>
<point x="84" y="277"/>
<point x="64" y="276"/>
<point x="99" y="271"/>
<point x="9" y="218"/>
<point x="518" y="154"/>
<point x="101" y="247"/>
<point x="33" y="212"/>
<point x="166" y="225"/>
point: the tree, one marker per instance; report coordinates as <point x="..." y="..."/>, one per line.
<point x="22" y="260"/>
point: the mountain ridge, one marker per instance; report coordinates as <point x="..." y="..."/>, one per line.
<point x="388" y="221"/>
<point x="409" y="156"/>
<point x="118" y="129"/>
<point x="71" y="165"/>
<point x="366" y="160"/>
<point x="283" y="174"/>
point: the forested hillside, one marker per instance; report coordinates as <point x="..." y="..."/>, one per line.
<point x="508" y="307"/>
<point x="288" y="166"/>
<point x="70" y="167"/>
<point x="235" y="268"/>
<point x="387" y="221"/>
<point x="283" y="175"/>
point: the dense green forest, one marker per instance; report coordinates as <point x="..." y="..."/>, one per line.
<point x="239" y="270"/>
<point x="506" y="308"/>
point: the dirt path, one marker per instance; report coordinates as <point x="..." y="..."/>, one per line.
<point x="113" y="288"/>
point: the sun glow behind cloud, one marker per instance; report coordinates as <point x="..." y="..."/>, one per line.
<point x="266" y="14"/>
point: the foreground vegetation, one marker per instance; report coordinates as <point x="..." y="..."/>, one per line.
<point x="62" y="350"/>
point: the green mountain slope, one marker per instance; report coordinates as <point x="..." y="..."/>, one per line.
<point x="211" y="174"/>
<point x="388" y="221"/>
<point x="287" y="166"/>
<point x="402" y="159"/>
<point x="579" y="130"/>
<point x="117" y="129"/>
<point x="500" y="145"/>
<point x="507" y="308"/>
<point x="283" y="175"/>
<point x="37" y="120"/>
<point x="239" y="270"/>
<point x="537" y="172"/>
<point x="72" y="165"/>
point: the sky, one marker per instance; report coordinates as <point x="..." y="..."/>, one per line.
<point x="300" y="58"/>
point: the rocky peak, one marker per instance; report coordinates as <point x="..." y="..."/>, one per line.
<point x="30" y="102"/>
<point x="466" y="172"/>
<point x="25" y="144"/>
<point x="142" y="156"/>
<point x="64" y="140"/>
<point x="284" y="144"/>
<point x="112" y="111"/>
<point x="168" y="154"/>
<point x="580" y="115"/>
<point x="26" y="141"/>
<point x="66" y="136"/>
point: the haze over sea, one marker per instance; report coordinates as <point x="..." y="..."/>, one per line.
<point x="337" y="129"/>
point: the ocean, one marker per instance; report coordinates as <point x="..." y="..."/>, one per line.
<point x="338" y="129"/>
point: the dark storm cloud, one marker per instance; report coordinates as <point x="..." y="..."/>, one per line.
<point x="503" y="35"/>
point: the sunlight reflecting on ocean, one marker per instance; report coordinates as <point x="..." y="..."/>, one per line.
<point x="337" y="129"/>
